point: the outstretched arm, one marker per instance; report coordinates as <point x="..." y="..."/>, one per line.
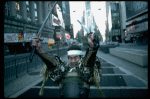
<point x="47" y="59"/>
<point x="91" y="52"/>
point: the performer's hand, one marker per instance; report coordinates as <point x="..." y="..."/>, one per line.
<point x="90" y="39"/>
<point x="37" y="43"/>
<point x="93" y="40"/>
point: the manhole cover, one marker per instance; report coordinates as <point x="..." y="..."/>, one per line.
<point x="34" y="73"/>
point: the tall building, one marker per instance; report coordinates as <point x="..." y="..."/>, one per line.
<point x="63" y="28"/>
<point x="82" y="31"/>
<point x="87" y="5"/>
<point x="129" y="21"/>
<point x="66" y="13"/>
<point x="122" y="19"/>
<point x="66" y="17"/>
<point x="108" y="22"/>
<point x="136" y="22"/>
<point x="115" y="16"/>
<point x="96" y="30"/>
<point x="89" y="17"/>
<point x="22" y="21"/>
<point x="113" y="26"/>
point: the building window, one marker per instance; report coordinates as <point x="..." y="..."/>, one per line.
<point x="115" y="18"/>
<point x="19" y="16"/>
<point x="7" y="13"/>
<point x="28" y="11"/>
<point x="42" y="9"/>
<point x="29" y="19"/>
<point x="35" y="13"/>
<point x="35" y="6"/>
<point x="20" y="28"/>
<point x="27" y="2"/>
<point x="17" y="6"/>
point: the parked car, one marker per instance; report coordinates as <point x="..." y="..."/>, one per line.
<point x="113" y="43"/>
<point x="102" y="43"/>
<point x="127" y="39"/>
<point x="80" y="44"/>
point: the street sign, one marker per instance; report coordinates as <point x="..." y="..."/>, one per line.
<point x="51" y="41"/>
<point x="59" y="36"/>
<point x="68" y="37"/>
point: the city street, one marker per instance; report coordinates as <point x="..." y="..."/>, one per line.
<point x="120" y="28"/>
<point x="116" y="82"/>
<point x="123" y="39"/>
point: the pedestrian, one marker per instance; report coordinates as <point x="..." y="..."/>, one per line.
<point x="74" y="78"/>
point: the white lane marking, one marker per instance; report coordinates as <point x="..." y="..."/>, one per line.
<point x="93" y="87"/>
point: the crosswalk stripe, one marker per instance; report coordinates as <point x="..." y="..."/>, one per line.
<point x="93" y="87"/>
<point x="113" y="74"/>
<point x="108" y="67"/>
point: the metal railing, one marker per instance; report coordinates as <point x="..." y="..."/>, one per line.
<point x="17" y="65"/>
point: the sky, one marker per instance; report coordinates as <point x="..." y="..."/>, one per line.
<point x="99" y="15"/>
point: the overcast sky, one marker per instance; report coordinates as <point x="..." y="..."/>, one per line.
<point x="99" y="15"/>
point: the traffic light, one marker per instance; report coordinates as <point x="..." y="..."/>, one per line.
<point x="59" y="36"/>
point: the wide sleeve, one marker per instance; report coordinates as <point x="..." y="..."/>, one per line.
<point x="90" y="56"/>
<point x="49" y="60"/>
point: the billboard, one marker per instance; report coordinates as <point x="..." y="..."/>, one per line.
<point x="67" y="36"/>
<point x="134" y="8"/>
<point x="55" y="21"/>
<point x="10" y="37"/>
<point x="20" y="37"/>
<point x="29" y="36"/>
<point x="51" y="41"/>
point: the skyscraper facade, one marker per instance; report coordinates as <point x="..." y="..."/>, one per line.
<point x="23" y="19"/>
<point x="66" y="16"/>
<point x="137" y="22"/>
<point x="115" y="24"/>
<point x="88" y="14"/>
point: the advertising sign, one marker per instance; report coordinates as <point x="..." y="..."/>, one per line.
<point x="67" y="36"/>
<point x="29" y="36"/>
<point x="138" y="28"/>
<point x="10" y="37"/>
<point x="20" y="37"/>
<point x="55" y="20"/>
<point x="51" y="41"/>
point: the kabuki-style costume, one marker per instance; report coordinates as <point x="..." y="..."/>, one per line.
<point x="73" y="82"/>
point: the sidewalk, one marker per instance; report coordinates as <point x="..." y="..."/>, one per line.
<point x="15" y="85"/>
<point x="136" y="70"/>
<point x="134" y="46"/>
<point x="23" y="82"/>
